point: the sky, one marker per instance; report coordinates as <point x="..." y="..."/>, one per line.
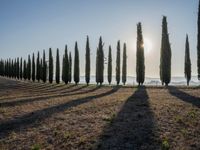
<point x="28" y="26"/>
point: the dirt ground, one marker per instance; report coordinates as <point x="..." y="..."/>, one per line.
<point x="57" y="116"/>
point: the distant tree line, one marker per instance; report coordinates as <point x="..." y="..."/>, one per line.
<point x="41" y="69"/>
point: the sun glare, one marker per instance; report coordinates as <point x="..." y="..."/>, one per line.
<point x="147" y="45"/>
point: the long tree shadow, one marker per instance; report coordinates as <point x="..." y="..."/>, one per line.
<point x="44" y="97"/>
<point x="184" y="96"/>
<point x="39" y="115"/>
<point x="47" y="92"/>
<point x="134" y="127"/>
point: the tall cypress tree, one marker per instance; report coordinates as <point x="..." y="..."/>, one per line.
<point x="57" y="67"/>
<point x="76" y="65"/>
<point x="165" y="59"/>
<point x="70" y="67"/>
<point x="198" y="44"/>
<point x="63" y="68"/>
<point x="18" y="68"/>
<point x="65" y="74"/>
<point x="101" y="61"/>
<point x="41" y="69"/>
<point x="124" y="65"/>
<point x="44" y="68"/>
<point x="97" y="66"/>
<point x="25" y="70"/>
<point x="38" y="67"/>
<point x="33" y="67"/>
<point x="29" y="68"/>
<point x="140" y="67"/>
<point x="187" y="61"/>
<point x="110" y="65"/>
<point x="21" y="69"/>
<point x="87" y="60"/>
<point x="50" y="66"/>
<point x="118" y="63"/>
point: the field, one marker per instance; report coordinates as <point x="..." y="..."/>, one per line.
<point x="58" y="116"/>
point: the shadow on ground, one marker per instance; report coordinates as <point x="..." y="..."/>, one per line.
<point x="34" y="118"/>
<point x="134" y="127"/>
<point x="184" y="96"/>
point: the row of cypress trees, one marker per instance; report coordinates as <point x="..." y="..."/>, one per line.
<point x="39" y="71"/>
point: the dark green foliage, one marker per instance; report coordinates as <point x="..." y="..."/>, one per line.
<point x="65" y="70"/>
<point x="140" y="66"/>
<point x="29" y="68"/>
<point x="97" y="66"/>
<point x="124" y="65"/>
<point x="21" y="69"/>
<point x="12" y="68"/>
<point x="57" y="67"/>
<point x="33" y="67"/>
<point x="87" y="60"/>
<point x="165" y="59"/>
<point x="50" y="66"/>
<point x="44" y="68"/>
<point x="76" y="65"/>
<point x="18" y="68"/>
<point x="118" y="63"/>
<point x="70" y="67"/>
<point x="38" y="67"/>
<point x="41" y="69"/>
<point x="187" y="61"/>
<point x="198" y="44"/>
<point x="2" y="68"/>
<point x="25" y="70"/>
<point x="100" y="63"/>
<point x="110" y="65"/>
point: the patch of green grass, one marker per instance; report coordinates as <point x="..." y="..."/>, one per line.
<point x="109" y="119"/>
<point x="178" y="119"/>
<point x="192" y="114"/>
<point x="165" y="145"/>
<point x="36" y="147"/>
<point x="184" y="132"/>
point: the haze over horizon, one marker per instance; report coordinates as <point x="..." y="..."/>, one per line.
<point x="28" y="26"/>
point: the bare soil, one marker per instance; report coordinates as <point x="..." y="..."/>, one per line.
<point x="58" y="116"/>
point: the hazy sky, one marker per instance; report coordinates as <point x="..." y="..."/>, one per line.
<point x="29" y="26"/>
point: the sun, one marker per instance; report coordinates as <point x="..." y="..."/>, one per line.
<point x="147" y="45"/>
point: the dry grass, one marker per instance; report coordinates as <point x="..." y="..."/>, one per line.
<point x="44" y="116"/>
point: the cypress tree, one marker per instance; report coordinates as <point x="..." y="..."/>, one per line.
<point x="15" y="68"/>
<point x="57" y="67"/>
<point x="18" y="68"/>
<point x="63" y="69"/>
<point x="97" y="66"/>
<point x="29" y="68"/>
<point x="140" y="67"/>
<point x="165" y="59"/>
<point x="118" y="63"/>
<point x="65" y="74"/>
<point x="198" y="44"/>
<point x="33" y="67"/>
<point x="187" y="61"/>
<point x="12" y="68"/>
<point x="124" y="65"/>
<point x="110" y="65"/>
<point x="70" y="67"/>
<point x="41" y="69"/>
<point x="101" y="62"/>
<point x="38" y="67"/>
<point x="44" y="68"/>
<point x="25" y="70"/>
<point x="21" y="69"/>
<point x="76" y="65"/>
<point x="50" y="66"/>
<point x="87" y="60"/>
